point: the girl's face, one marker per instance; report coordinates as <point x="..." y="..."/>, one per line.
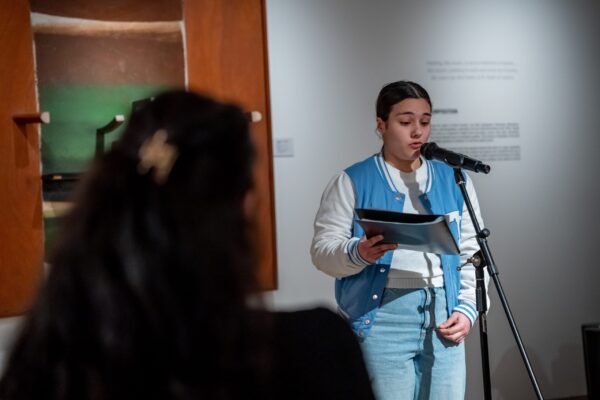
<point x="407" y="128"/>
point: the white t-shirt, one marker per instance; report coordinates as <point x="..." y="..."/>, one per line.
<point x="413" y="269"/>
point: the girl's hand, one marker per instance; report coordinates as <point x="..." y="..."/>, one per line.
<point x="370" y="251"/>
<point x="456" y="328"/>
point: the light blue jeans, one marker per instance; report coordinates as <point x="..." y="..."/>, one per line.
<point x="405" y="356"/>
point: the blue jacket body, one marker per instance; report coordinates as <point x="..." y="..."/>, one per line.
<point x="359" y="296"/>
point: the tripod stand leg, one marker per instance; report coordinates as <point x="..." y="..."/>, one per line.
<point x="515" y="331"/>
<point x="488" y="261"/>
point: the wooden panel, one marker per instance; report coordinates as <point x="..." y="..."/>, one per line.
<point x="227" y="59"/>
<point x="111" y="10"/>
<point x="21" y="248"/>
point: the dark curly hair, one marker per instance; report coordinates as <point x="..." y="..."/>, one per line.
<point x="147" y="292"/>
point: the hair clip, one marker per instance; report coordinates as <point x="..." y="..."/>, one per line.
<point x="156" y="153"/>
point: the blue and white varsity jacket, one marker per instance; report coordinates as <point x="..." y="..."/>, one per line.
<point x="359" y="286"/>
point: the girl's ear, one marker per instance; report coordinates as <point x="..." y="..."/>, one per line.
<point x="380" y="126"/>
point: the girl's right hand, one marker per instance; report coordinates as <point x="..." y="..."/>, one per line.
<point x="370" y="251"/>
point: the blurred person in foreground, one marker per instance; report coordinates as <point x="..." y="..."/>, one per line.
<point x="148" y="293"/>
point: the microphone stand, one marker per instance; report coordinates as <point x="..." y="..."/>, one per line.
<point x="481" y="259"/>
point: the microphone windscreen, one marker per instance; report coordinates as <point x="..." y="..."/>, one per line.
<point x="427" y="150"/>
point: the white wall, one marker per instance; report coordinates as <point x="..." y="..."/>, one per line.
<point x="8" y="328"/>
<point x="328" y="60"/>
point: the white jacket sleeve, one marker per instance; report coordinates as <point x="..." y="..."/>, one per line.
<point x="333" y="249"/>
<point x="468" y="247"/>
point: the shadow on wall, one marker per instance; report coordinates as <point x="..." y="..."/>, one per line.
<point x="568" y="354"/>
<point x="510" y="379"/>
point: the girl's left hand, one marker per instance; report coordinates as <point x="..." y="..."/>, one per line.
<point x="456" y="328"/>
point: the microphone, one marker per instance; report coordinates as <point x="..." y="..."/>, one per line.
<point x="432" y="151"/>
